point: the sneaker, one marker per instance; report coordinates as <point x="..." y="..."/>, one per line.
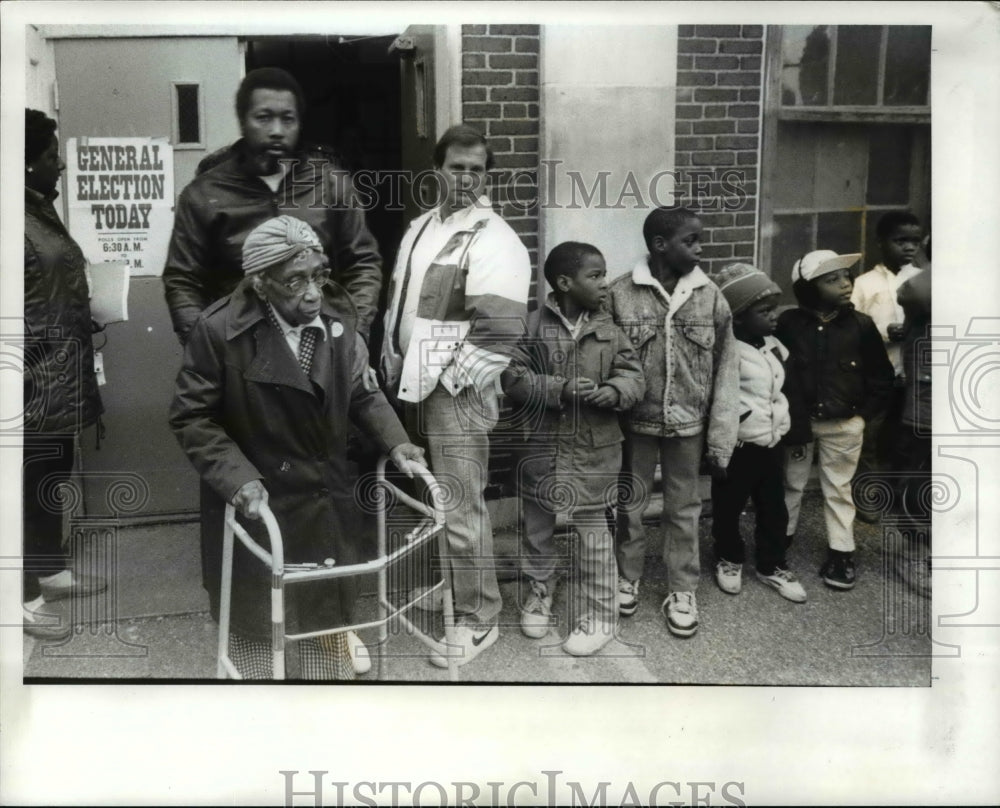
<point x="786" y="584"/>
<point x="628" y="596"/>
<point x="838" y="571"/>
<point x="589" y="637"/>
<point x="729" y="576"/>
<point x="681" y="612"/>
<point x="47" y="621"/>
<point x="71" y="584"/>
<point x="536" y="613"/>
<point x="470" y="641"/>
<point x="360" y="658"/>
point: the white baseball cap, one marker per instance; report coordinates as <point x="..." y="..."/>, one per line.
<point x="820" y="262"/>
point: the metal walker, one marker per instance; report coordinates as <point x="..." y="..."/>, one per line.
<point x="282" y="574"/>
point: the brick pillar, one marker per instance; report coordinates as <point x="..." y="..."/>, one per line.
<point x="717" y="135"/>
<point x="500" y="97"/>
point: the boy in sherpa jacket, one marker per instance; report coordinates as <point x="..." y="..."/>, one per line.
<point x="681" y="327"/>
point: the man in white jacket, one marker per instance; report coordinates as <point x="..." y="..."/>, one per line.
<point x="457" y="308"/>
<point x="755" y="471"/>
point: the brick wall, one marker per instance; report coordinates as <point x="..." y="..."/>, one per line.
<point x="717" y="132"/>
<point x="500" y="97"/>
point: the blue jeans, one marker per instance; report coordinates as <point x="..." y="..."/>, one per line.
<point x="456" y="431"/>
<point x="680" y="460"/>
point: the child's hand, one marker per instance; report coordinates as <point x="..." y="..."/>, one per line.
<point x="895" y="332"/>
<point x="716" y="468"/>
<point x="604" y="396"/>
<point x="577" y="388"/>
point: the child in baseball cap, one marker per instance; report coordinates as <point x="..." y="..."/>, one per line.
<point x="838" y="377"/>
<point x="756" y="469"/>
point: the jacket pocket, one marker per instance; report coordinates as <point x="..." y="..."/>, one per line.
<point x="640" y="335"/>
<point x="701" y="334"/>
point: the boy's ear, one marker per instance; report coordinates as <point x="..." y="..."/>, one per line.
<point x="659" y="243"/>
<point x="563" y="283"/>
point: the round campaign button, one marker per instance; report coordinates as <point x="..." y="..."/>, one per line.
<point x="336" y="329"/>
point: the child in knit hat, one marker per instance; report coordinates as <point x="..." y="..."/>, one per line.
<point x="756" y="469"/>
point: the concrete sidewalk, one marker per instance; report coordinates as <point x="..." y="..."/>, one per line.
<point x="154" y="625"/>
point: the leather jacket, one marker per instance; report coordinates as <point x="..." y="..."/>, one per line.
<point x="835" y="369"/>
<point x="60" y="386"/>
<point x="219" y="208"/>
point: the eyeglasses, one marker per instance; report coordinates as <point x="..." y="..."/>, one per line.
<point x="298" y="286"/>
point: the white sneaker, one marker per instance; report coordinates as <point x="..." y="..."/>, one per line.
<point x="628" y="596"/>
<point x="360" y="657"/>
<point x="470" y="641"/>
<point x="729" y="576"/>
<point x="536" y="613"/>
<point x="681" y="612"/>
<point x="589" y="637"/>
<point x="786" y="584"/>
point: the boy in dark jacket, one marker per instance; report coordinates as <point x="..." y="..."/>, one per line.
<point x="580" y="371"/>
<point x="838" y="376"/>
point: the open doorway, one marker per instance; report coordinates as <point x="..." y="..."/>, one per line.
<point x="352" y="89"/>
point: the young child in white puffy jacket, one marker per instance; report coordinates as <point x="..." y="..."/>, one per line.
<point x="755" y="471"/>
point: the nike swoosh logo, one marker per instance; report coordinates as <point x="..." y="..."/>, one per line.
<point x="477" y="641"/>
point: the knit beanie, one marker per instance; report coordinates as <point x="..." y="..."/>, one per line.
<point x="275" y="241"/>
<point x="743" y="285"/>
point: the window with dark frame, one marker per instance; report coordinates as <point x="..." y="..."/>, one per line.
<point x="187" y="123"/>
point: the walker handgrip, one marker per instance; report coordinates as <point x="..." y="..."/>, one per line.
<point x="276" y="558"/>
<point x="432" y="484"/>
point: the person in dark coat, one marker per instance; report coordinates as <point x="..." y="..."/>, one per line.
<point x="60" y="385"/>
<point x="264" y="174"/>
<point x="271" y="375"/>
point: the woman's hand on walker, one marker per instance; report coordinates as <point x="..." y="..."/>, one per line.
<point x="249" y="499"/>
<point x="408" y="458"/>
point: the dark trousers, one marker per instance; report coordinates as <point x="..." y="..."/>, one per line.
<point x="755" y="473"/>
<point x="879" y="445"/>
<point x="913" y="466"/>
<point x="48" y="461"/>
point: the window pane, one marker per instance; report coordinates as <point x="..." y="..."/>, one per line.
<point x="805" y="55"/>
<point x="856" y="77"/>
<point x="188" y="123"/>
<point x="908" y="64"/>
<point x="840" y="232"/>
<point x="889" y="150"/>
<point x="872" y="253"/>
<point x="793" y="238"/>
<point x="795" y="174"/>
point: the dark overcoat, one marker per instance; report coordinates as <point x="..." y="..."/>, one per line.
<point x="244" y="410"/>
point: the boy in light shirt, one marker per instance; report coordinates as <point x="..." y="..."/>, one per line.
<point x="899" y="235"/>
